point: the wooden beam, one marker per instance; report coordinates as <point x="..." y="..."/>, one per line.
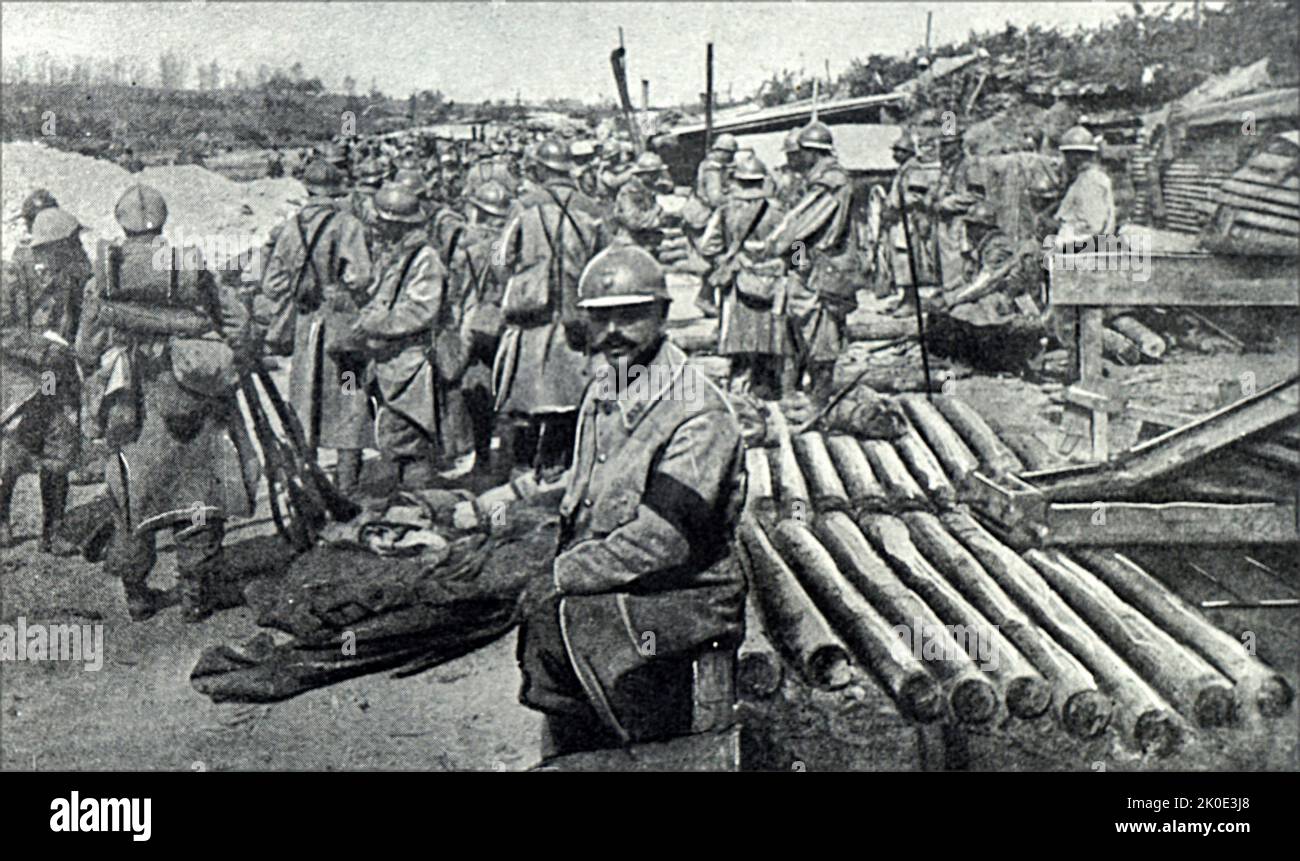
<point x="1173" y="279"/>
<point x="1115" y="523"/>
<point x="1179" y="447"/>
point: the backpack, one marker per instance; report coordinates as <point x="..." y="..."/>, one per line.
<point x="535" y="289"/>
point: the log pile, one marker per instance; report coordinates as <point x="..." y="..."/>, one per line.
<point x="861" y="552"/>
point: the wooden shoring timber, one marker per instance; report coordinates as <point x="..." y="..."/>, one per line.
<point x="1148" y="723"/>
<point x="790" y="615"/>
<point x="1255" y="680"/>
<point x="946" y="443"/>
<point x="1109" y="523"/>
<point x="1274" y="406"/>
<point x="1024" y="689"/>
<point x="1079" y="706"/>
<point x="1186" y="679"/>
<point x="828" y="492"/>
<point x="925" y="468"/>
<point x="760" y="496"/>
<point x="971" y="697"/>
<point x="855" y="471"/>
<point x="867" y="633"/>
<point x="901" y="489"/>
<point x="995" y="456"/>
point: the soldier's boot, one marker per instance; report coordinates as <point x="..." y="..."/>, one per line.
<point x="143" y="602"/>
<point x="348" y="476"/>
<point x="54" y="498"/>
<point x="198" y="568"/>
<point x="8" y="479"/>
<point x="704" y="299"/>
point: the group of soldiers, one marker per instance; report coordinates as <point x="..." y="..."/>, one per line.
<point x="453" y="317"/>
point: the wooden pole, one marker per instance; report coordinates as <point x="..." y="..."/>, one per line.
<point x="708" y="97"/>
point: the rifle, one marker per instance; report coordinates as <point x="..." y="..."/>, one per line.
<point x="311" y="499"/>
<point x="618" y="59"/>
<point x="916" y="288"/>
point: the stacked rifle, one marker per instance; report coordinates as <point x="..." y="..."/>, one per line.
<point x="859" y="552"/>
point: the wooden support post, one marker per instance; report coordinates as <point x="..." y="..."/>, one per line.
<point x="1090" y="370"/>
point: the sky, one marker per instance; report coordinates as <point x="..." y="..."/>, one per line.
<point x="475" y="51"/>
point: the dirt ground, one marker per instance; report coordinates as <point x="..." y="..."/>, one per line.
<point x="139" y="711"/>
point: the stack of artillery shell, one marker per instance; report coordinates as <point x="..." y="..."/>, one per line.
<point x="789" y="615"/>
<point x="1147" y="721"/>
<point x="855" y="472"/>
<point x="1270" y="692"/>
<point x="867" y="632"/>
<point x="948" y="447"/>
<point x="1023" y="688"/>
<point x="758" y="670"/>
<point x="852" y="542"/>
<point x="1084" y="711"/>
<point x="1184" y="678"/>
<point x="971" y="697"/>
<point x="814" y="461"/>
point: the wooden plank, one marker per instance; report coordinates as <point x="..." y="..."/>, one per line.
<point x="1274" y="406"/>
<point x="1271" y="162"/>
<point x="1114" y="523"/>
<point x="1264" y="192"/>
<point x="1267" y="222"/>
<point x="1291" y="213"/>
<point x="1249" y="174"/>
<point x="1205" y="280"/>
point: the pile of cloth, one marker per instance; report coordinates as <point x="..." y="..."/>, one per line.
<point x="400" y="590"/>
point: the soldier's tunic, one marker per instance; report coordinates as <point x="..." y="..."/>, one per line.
<point x="646" y="521"/>
<point x="752" y="320"/>
<point x="478" y="284"/>
<point x="410" y="304"/>
<point x="825" y="268"/>
<point x="541" y="366"/>
<point x="40" y="308"/>
<point x="638" y="218"/>
<point x="711" y="182"/>
<point x="1088" y="208"/>
<point x="949" y="201"/>
<point x="309" y="306"/>
<point x="361" y="205"/>
<point x="920" y="225"/>
<point x="191" y="465"/>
